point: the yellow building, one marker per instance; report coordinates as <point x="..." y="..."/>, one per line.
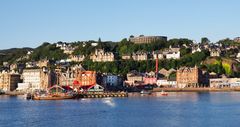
<point x="8" y="81"/>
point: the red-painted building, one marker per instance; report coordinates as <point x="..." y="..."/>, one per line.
<point x="85" y="79"/>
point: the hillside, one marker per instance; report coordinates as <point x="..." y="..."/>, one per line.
<point x="222" y="65"/>
<point x="10" y="55"/>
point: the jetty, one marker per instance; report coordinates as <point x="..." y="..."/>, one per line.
<point x="100" y="94"/>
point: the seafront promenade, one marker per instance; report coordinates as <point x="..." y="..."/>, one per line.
<point x="113" y="94"/>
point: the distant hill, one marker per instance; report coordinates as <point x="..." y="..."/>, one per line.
<point x="10" y="55"/>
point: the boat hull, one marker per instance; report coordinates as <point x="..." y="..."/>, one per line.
<point x="53" y="98"/>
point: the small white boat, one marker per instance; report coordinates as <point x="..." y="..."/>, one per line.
<point x="145" y="92"/>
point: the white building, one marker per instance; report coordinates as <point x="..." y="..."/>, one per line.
<point x="139" y="56"/>
<point x="173" y="55"/>
<point x="126" y="57"/>
<point x="77" y="58"/>
<point x="23" y="86"/>
<point x="196" y="50"/>
<point x="166" y="83"/>
<point x="224" y="82"/>
<point x="101" y="56"/>
<point x="238" y="55"/>
<point x="67" y="48"/>
<point x="36" y="78"/>
<point x="157" y="55"/>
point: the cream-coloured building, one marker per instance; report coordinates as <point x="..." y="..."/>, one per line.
<point x="157" y="55"/>
<point x="134" y="78"/>
<point x="66" y="47"/>
<point x="215" y="52"/>
<point x="224" y="82"/>
<point x="172" y="53"/>
<point x="126" y="57"/>
<point x="77" y="58"/>
<point x="43" y="63"/>
<point x="147" y="39"/>
<point x="37" y="78"/>
<point x="139" y="56"/>
<point x="101" y="56"/>
<point x="9" y="81"/>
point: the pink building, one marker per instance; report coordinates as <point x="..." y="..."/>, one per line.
<point x="150" y="80"/>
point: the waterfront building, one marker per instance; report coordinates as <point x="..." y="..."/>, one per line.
<point x="84" y="79"/>
<point x="147" y="39"/>
<point x="96" y="88"/>
<point x="112" y="80"/>
<point x="224" y="82"/>
<point x="134" y="78"/>
<point x="9" y="81"/>
<point x="37" y="78"/>
<point x="67" y="78"/>
<point x="190" y="77"/>
<point x="150" y="78"/>
<point x="167" y="83"/>
<point x="101" y="56"/>
<point x="23" y="87"/>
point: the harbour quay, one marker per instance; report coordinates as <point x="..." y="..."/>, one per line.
<point x="100" y="94"/>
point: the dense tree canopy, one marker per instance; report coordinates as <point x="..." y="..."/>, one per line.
<point x="47" y="51"/>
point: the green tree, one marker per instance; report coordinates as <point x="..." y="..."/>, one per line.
<point x="205" y="40"/>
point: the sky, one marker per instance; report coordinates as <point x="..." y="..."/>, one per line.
<point x="29" y="23"/>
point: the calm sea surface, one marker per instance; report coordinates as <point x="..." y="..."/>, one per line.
<point x="175" y="110"/>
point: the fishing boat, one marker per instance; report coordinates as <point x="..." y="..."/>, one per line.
<point x="163" y="93"/>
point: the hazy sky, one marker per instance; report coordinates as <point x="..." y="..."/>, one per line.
<point x="28" y="23"/>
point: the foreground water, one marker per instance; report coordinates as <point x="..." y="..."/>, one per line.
<point x="175" y="110"/>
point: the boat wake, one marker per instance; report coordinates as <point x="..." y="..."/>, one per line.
<point x="109" y="102"/>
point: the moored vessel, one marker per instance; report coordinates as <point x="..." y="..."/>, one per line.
<point x="163" y="93"/>
<point x="145" y="92"/>
<point x="54" y="93"/>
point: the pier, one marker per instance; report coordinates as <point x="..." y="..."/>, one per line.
<point x="101" y="94"/>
